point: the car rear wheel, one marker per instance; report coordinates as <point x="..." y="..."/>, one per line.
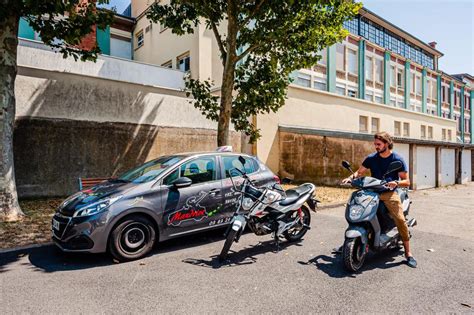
<point x="132" y="239"/>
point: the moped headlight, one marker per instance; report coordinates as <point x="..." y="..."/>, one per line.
<point x="247" y="203"/>
<point x="355" y="211"/>
<point x="96" y="207"/>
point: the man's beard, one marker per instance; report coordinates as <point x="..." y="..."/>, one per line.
<point x="381" y="150"/>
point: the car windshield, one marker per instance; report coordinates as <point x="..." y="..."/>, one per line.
<point x="150" y="170"/>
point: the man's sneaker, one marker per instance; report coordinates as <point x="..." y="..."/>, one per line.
<point x="411" y="261"/>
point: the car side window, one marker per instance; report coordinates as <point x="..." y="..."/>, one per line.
<point x="199" y="170"/>
<point x="231" y="162"/>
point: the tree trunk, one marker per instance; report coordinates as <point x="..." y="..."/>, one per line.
<point x="228" y="76"/>
<point x="9" y="207"/>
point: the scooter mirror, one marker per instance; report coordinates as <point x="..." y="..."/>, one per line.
<point x="346" y="165"/>
<point x="242" y="160"/>
<point x="394" y="166"/>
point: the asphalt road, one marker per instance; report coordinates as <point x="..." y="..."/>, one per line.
<point x="183" y="276"/>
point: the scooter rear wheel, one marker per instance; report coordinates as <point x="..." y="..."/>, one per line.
<point x="353" y="253"/>
<point x="297" y="232"/>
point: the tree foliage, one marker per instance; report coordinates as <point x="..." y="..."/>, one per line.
<point x="264" y="41"/>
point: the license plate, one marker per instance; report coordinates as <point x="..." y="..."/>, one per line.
<point x="55" y="224"/>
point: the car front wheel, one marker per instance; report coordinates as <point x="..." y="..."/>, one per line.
<point x="132" y="239"/>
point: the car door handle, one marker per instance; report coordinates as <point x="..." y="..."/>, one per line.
<point x="214" y="192"/>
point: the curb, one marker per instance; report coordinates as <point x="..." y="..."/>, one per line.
<point x="23" y="248"/>
<point x="331" y="206"/>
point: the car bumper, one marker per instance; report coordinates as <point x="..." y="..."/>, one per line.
<point x="86" y="234"/>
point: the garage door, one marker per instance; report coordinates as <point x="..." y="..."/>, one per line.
<point x="404" y="150"/>
<point x="425" y="168"/>
<point x="448" y="173"/>
<point x="466" y="166"/>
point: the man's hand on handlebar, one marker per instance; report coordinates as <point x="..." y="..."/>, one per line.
<point x="346" y="181"/>
<point x="392" y="185"/>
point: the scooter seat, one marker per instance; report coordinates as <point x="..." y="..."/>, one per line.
<point x="294" y="194"/>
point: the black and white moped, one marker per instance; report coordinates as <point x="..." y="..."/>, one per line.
<point x="370" y="225"/>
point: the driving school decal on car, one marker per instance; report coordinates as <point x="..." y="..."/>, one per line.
<point x="192" y="210"/>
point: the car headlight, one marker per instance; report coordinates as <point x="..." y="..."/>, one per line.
<point x="247" y="203"/>
<point x="96" y="207"/>
<point x="355" y="211"/>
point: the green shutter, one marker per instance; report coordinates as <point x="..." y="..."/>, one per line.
<point x="438" y="93"/>
<point x="423" y="90"/>
<point x="331" y="69"/>
<point x="103" y="40"/>
<point x="451" y="100"/>
<point x="386" y="77"/>
<point x="362" y="69"/>
<point x="472" y="116"/>
<point x="25" y="30"/>
<point x="461" y="103"/>
<point x="407" y="84"/>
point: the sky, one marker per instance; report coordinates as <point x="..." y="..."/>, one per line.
<point x="450" y="23"/>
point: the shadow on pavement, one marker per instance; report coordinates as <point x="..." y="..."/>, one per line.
<point x="333" y="265"/>
<point x="241" y="257"/>
<point x="49" y="258"/>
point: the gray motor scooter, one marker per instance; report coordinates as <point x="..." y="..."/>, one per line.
<point x="370" y="225"/>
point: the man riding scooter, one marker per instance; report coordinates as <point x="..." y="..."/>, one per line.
<point x="378" y="163"/>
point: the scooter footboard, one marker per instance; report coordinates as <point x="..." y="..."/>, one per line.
<point x="357" y="231"/>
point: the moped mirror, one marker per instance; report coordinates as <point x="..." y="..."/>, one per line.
<point x="242" y="160"/>
<point x="346" y="165"/>
<point x="182" y="182"/>
<point x="394" y="166"/>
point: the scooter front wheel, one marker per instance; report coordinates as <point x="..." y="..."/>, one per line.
<point x="228" y="243"/>
<point x="353" y="253"/>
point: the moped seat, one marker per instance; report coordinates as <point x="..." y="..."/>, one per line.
<point x="294" y="194"/>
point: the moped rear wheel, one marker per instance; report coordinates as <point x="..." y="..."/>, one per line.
<point x="353" y="253"/>
<point x="298" y="231"/>
<point x="228" y="243"/>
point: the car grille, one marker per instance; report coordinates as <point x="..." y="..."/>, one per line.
<point x="63" y="222"/>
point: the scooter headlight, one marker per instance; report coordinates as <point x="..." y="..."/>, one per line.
<point x="356" y="211"/>
<point x="247" y="203"/>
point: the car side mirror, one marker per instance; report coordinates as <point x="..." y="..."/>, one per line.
<point x="182" y="182"/>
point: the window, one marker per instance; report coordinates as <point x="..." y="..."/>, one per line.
<point x="324" y="56"/>
<point x="231" y="162"/>
<point x="393" y="102"/>
<point x="351" y="92"/>
<point x="423" y="132"/>
<point x="406" y="129"/>
<point x="375" y="125"/>
<point x="183" y="62"/>
<point x="449" y="135"/>
<point x="369" y="69"/>
<point x="341" y="90"/>
<point x="378" y="99"/>
<point x="397" y="129"/>
<point x="167" y="64"/>
<point x="303" y="79"/>
<point x="140" y="39"/>
<point x="352" y="60"/>
<point x="392" y="76"/>
<point x="320" y="84"/>
<point x="150" y="170"/>
<point x="430" y="132"/>
<point x="379" y="70"/>
<point x="413" y="83"/>
<point x="443" y="134"/>
<point x="363" y="124"/>
<point x="418" y="85"/>
<point x="340" y="56"/>
<point x="400" y="78"/>
<point x="369" y="95"/>
<point x="199" y="170"/>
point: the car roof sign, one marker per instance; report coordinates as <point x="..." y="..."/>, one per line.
<point x="225" y="148"/>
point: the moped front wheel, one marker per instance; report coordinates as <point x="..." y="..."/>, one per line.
<point x="228" y="243"/>
<point x="353" y="253"/>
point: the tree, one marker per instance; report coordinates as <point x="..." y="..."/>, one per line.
<point x="264" y="41"/>
<point x="61" y="24"/>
